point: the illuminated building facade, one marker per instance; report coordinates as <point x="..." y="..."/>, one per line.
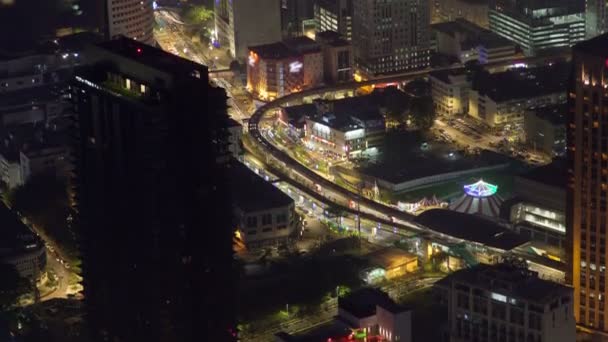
<point x="338" y="63"/>
<point x="391" y="36"/>
<point x="345" y="133"/>
<point x="475" y="11"/>
<point x="336" y="16"/>
<point x="596" y="17"/>
<point x="538" y="25"/>
<point x="239" y="24"/>
<point x="131" y="18"/>
<point x="267" y="220"/>
<point x="538" y="207"/>
<point x="150" y="152"/>
<point x="450" y="92"/>
<point x="588" y="181"/>
<point x="468" y="42"/>
<point x="278" y="69"/>
<point x="506" y="302"/>
<point x="503" y="98"/>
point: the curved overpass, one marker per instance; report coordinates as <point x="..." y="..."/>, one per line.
<point x="311" y="179"/>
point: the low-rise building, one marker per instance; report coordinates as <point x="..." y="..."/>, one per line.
<point x="376" y="313"/>
<point x="264" y="215"/>
<point x="365" y="315"/>
<point x="20" y="246"/>
<point x="545" y="129"/>
<point x="503" y="98"/>
<point x="235" y="139"/>
<point x="450" y="91"/>
<point x="392" y="262"/>
<point x="338" y="60"/>
<point x="505" y="302"/>
<point x="538" y="207"/>
<point x="467" y="42"/>
<point x="278" y="69"/>
<point x="345" y="134"/>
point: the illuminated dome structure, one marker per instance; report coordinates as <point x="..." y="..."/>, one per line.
<point x="479" y="198"/>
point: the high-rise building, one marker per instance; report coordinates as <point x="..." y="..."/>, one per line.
<point x="596" y="17"/>
<point x="391" y="36"/>
<point x="587" y="141"/>
<point x="537" y="25"/>
<point x="150" y="157"/>
<point x="240" y="24"/>
<point x="294" y="14"/>
<point x="131" y="18"/>
<point x="335" y="15"/>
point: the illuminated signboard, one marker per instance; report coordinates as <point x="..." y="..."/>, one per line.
<point x="480" y="189"/>
<point x="295" y="67"/>
<point x="498" y="297"/>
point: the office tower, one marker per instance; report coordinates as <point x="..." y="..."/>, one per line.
<point x="391" y="36"/>
<point x="335" y="15"/>
<point x="240" y="24"/>
<point x="505" y="302"/>
<point x="131" y="18"/>
<point x="150" y="152"/>
<point x="537" y="25"/>
<point x="596" y="17"/>
<point x="588" y="181"/>
<point x="294" y="14"/>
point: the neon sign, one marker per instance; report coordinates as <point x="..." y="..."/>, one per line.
<point x="480" y="189"/>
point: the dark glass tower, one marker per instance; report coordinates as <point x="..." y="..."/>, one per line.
<point x="152" y="201"/>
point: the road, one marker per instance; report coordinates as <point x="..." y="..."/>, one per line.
<point x="330" y="192"/>
<point x="172" y="37"/>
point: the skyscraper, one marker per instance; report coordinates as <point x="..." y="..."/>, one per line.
<point x="150" y="153"/>
<point x="130" y="18"/>
<point x="293" y="15"/>
<point x="391" y="36"/>
<point x="239" y="24"/>
<point x="588" y="181"/>
<point x="335" y="15"/>
<point x="536" y="25"/>
<point x="596" y="17"/>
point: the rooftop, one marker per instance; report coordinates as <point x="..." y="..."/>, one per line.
<point x="404" y="159"/>
<point x="444" y="75"/>
<point x="391" y="257"/>
<point x="509" y="280"/>
<point x="597" y="46"/>
<point x="233" y="123"/>
<point x="151" y="56"/>
<point x="251" y="192"/>
<point x="555" y="114"/>
<point x="362" y="303"/>
<point x="524" y="83"/>
<point x="470" y="227"/>
<point x="288" y="48"/>
<point x="553" y="174"/>
<point x="471" y="35"/>
<point x="332" y="38"/>
<point x="14" y="233"/>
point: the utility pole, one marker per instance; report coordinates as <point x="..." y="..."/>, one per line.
<point x="359" y="214"/>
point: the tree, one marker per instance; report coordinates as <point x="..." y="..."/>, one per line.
<point x="12" y="285"/>
<point x="197" y="15"/>
<point x="336" y="212"/>
<point x="423" y="113"/>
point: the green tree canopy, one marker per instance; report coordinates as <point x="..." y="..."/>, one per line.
<point x="423" y="113"/>
<point x="197" y="15"/>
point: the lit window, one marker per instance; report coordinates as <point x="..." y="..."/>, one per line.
<point x="142" y="88"/>
<point x="128" y="84"/>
